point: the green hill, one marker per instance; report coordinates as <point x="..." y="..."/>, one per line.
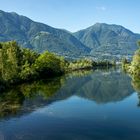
<point x="108" y="40"/>
<point x="100" y="41"/>
<point x="38" y="36"/>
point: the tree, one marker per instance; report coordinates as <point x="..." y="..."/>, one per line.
<point x="28" y="72"/>
<point x="29" y="56"/>
<point x="20" y="64"/>
<point x="47" y="64"/>
<point x="135" y="64"/>
<point x="134" y="68"/>
<point x="10" y="58"/>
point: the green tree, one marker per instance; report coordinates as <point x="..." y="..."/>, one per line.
<point x="47" y="64"/>
<point x="10" y="58"/>
<point x="29" y="56"/>
<point x="135" y="64"/>
<point x="28" y="72"/>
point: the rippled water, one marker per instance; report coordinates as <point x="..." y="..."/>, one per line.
<point x="88" y="105"/>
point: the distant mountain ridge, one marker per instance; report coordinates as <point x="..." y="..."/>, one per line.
<point x="100" y="41"/>
<point x="108" y="40"/>
<point x="38" y="36"/>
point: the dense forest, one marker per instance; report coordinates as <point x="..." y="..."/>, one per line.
<point x="18" y="64"/>
<point x="133" y="68"/>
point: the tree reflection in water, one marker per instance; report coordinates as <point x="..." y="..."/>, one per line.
<point x="100" y="86"/>
<point x="136" y="85"/>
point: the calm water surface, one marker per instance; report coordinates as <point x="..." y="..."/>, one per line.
<point x="94" y="105"/>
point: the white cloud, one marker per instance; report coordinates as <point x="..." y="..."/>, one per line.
<point x="101" y="8"/>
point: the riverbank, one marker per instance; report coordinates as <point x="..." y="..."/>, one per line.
<point x="19" y="65"/>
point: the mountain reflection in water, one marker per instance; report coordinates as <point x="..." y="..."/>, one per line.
<point x="100" y="86"/>
<point x="83" y="105"/>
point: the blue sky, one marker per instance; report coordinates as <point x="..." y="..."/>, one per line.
<point x="74" y="15"/>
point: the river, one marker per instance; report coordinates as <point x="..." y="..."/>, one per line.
<point x="84" y="105"/>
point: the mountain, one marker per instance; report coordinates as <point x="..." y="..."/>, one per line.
<point x="100" y="41"/>
<point x="38" y="36"/>
<point x="108" y="40"/>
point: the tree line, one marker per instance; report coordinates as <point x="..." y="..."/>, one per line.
<point x="19" y="64"/>
<point x="133" y="67"/>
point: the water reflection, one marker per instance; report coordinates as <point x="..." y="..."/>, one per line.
<point x="100" y="86"/>
<point x="136" y="85"/>
<point x="10" y="103"/>
<point x="28" y="97"/>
